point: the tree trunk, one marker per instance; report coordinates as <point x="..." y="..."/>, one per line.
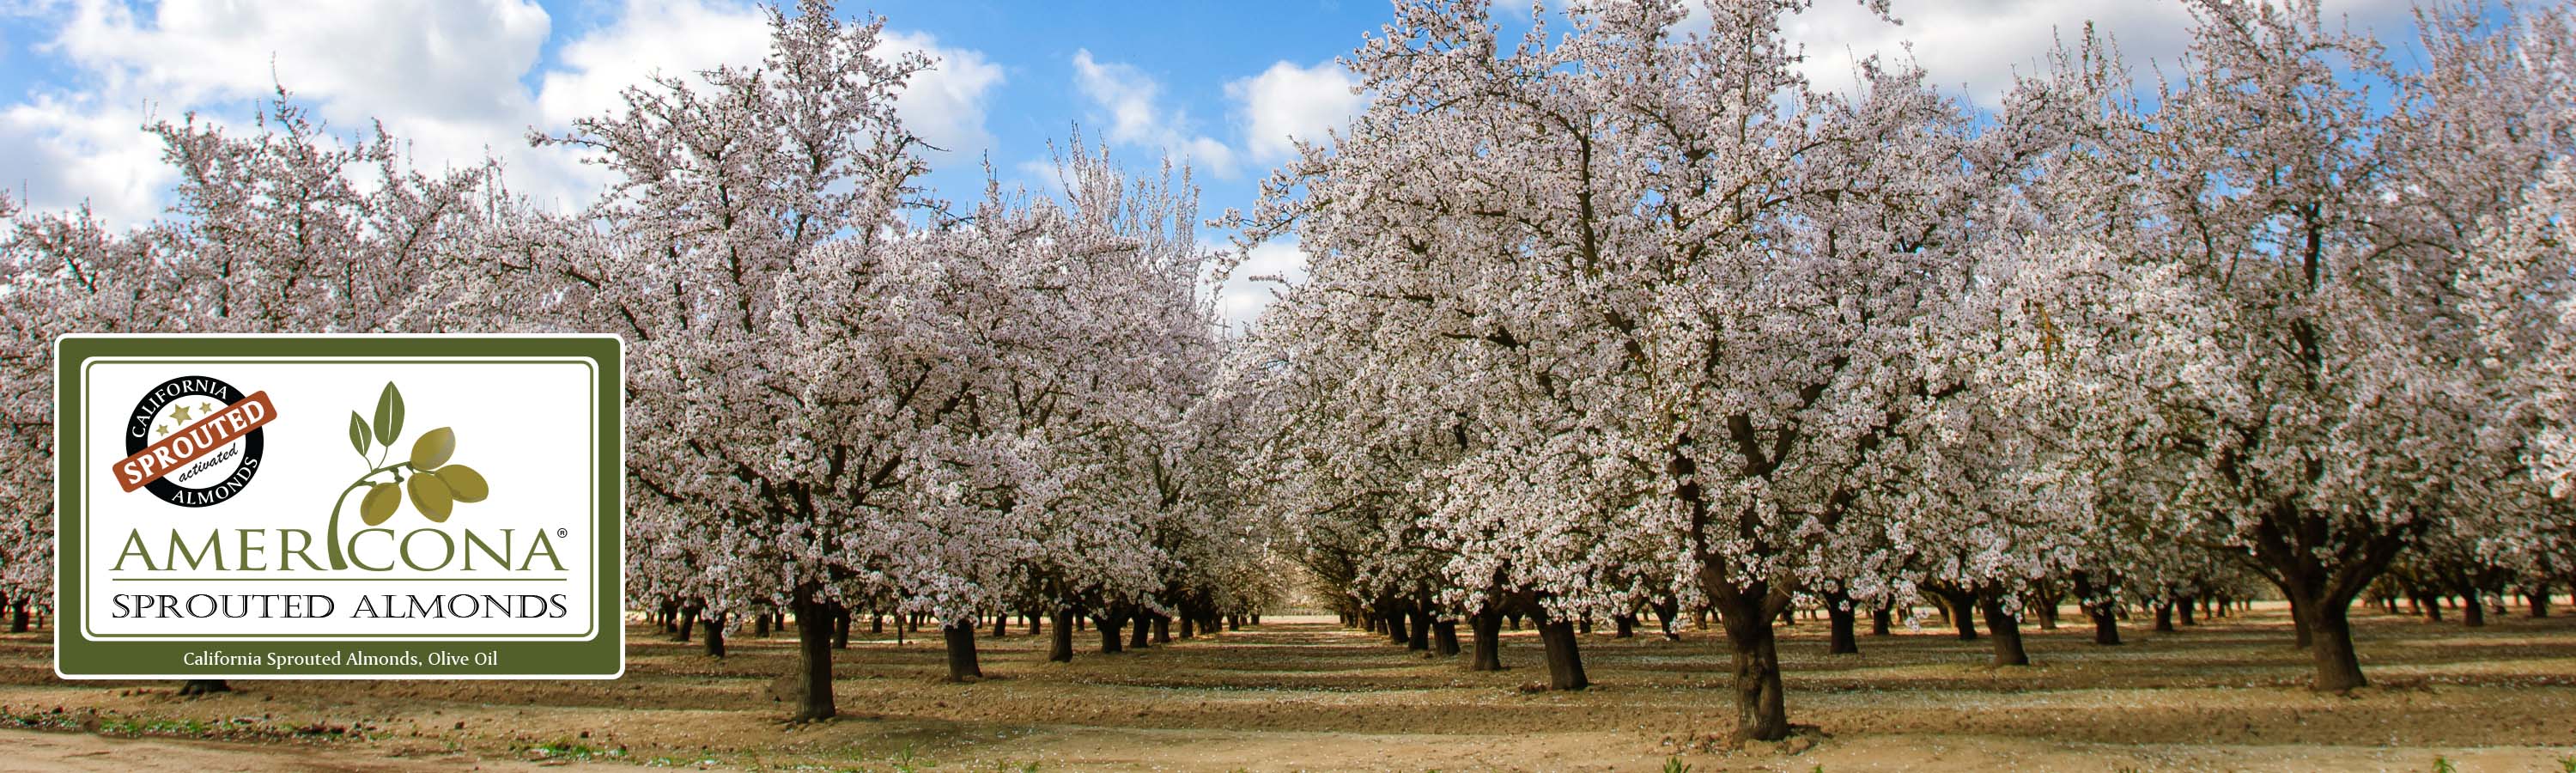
<point x="1881" y="621"/>
<point x="840" y="629"/>
<point x="876" y="622"/>
<point x="1110" y="629"/>
<point x="2538" y="596"/>
<point x="961" y="650"/>
<point x="814" y="642"/>
<point x="2106" y="623"/>
<point x="1665" y="613"/>
<point x="2472" y="613"/>
<point x="2006" y="631"/>
<point x="1760" y="713"/>
<point x="1417" y="637"/>
<point x="1486" y="628"/>
<point x="1142" y="636"/>
<point x="688" y="620"/>
<point x="18" y="616"/>
<point x="2299" y="633"/>
<point x="1060" y="648"/>
<point x="1189" y="626"/>
<point x="760" y="626"/>
<point x="1961" y="612"/>
<point x="715" y="636"/>
<point x="1840" y="617"/>
<point x="1444" y="634"/>
<point x="1001" y="625"/>
<point x="2186" y="606"/>
<point x="2338" y="668"/>
<point x="1162" y="629"/>
<point x="1564" y="660"/>
<point x="1623" y="626"/>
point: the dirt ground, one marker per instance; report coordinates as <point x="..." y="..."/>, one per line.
<point x="1303" y="694"/>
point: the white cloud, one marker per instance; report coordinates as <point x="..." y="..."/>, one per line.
<point x="1981" y="44"/>
<point x="450" y="78"/>
<point x="1252" y="286"/>
<point x="945" y="105"/>
<point x="1288" y="101"/>
<point x="1131" y="100"/>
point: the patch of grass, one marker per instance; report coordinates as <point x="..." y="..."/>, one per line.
<point x="572" y="749"/>
<point x="1675" y="765"/>
<point x="2443" y="764"/>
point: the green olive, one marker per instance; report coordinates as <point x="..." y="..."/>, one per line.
<point x="431" y="496"/>
<point x="464" y="482"/>
<point x="432" y="449"/>
<point x="379" y="505"/>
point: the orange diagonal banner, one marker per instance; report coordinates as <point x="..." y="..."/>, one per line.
<point x="194" y="441"/>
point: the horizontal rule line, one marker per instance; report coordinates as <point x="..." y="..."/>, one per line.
<point x="338" y="579"/>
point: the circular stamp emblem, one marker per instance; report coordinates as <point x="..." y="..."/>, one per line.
<point x="194" y="441"/>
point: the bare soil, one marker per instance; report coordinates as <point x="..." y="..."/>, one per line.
<point x="1303" y="694"/>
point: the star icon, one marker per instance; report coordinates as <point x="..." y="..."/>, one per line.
<point x="180" y="414"/>
<point x="163" y="429"/>
<point x="206" y="407"/>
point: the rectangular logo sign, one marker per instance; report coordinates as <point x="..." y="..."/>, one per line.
<point x="338" y="507"/>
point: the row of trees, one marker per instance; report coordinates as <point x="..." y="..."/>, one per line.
<point x="1629" y="317"/>
<point x="841" y="392"/>
<point x="1621" y="318"/>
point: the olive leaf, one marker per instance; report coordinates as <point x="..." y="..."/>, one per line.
<point x="432" y="449"/>
<point x="358" y="433"/>
<point x="431" y="497"/>
<point x="379" y="505"/>
<point x="389" y="414"/>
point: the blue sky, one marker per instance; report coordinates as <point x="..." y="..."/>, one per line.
<point x="1221" y="85"/>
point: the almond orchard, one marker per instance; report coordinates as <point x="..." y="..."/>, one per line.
<point x="1621" y="322"/>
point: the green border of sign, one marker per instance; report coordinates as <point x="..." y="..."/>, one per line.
<point x="601" y="656"/>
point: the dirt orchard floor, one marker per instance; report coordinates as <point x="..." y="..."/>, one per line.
<point x="1304" y="694"/>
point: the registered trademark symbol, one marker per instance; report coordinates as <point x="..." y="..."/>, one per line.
<point x="560" y="534"/>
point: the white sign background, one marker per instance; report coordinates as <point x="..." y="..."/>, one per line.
<point x="526" y="424"/>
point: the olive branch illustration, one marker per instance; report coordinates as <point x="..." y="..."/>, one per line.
<point x="434" y="485"/>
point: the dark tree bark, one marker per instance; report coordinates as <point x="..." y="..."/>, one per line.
<point x="1486" y="628"/>
<point x="1445" y="636"/>
<point x="1060" y="648"/>
<point x="18" y="616"/>
<point x="715" y="636"/>
<point x="760" y="626"/>
<point x="2006" y="631"/>
<point x="2538" y="597"/>
<point x="841" y="627"/>
<point x="961" y="651"/>
<point x="1881" y="621"/>
<point x="1143" y="634"/>
<point x="1963" y="612"/>
<point x="2185" y="606"/>
<point x="1564" y="656"/>
<point x="1001" y="625"/>
<point x="2106" y="623"/>
<point x="1623" y="626"/>
<point x="1760" y="712"/>
<point x="1839" y="619"/>
<point x="2472" y="612"/>
<point x="1110" y="629"/>
<point x="814" y="643"/>
<point x="1189" y="626"/>
<point x="1417" y="623"/>
<point x="2338" y="667"/>
<point x="1666" y="611"/>
<point x="876" y="623"/>
<point x="2164" y="617"/>
<point x="688" y="620"/>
